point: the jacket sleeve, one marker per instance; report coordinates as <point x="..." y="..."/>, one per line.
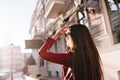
<point x="60" y="58"/>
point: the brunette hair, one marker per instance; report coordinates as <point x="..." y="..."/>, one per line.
<point x="86" y="62"/>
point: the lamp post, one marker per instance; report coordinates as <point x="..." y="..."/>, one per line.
<point x="11" y="48"/>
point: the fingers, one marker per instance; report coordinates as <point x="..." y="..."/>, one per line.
<point x="65" y="28"/>
<point x="61" y="32"/>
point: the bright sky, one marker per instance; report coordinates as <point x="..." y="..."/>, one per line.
<point x="15" y="18"/>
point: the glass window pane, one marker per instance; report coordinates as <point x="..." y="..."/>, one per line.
<point x="114" y="13"/>
<point x="80" y="17"/>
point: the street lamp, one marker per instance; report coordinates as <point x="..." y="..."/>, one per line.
<point x="11" y="48"/>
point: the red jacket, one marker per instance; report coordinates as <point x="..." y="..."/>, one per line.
<point x="59" y="58"/>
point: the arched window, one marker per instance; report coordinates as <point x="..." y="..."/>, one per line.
<point x="41" y="62"/>
<point x="57" y="74"/>
<point x="49" y="73"/>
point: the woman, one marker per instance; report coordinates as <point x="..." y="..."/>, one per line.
<point x="82" y="60"/>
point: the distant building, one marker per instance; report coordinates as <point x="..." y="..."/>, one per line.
<point x="1" y="57"/>
<point x="12" y="57"/>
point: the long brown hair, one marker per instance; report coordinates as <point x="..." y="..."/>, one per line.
<point x="86" y="63"/>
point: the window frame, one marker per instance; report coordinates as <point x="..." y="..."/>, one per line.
<point x="112" y="34"/>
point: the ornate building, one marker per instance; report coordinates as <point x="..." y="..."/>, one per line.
<point x="102" y="18"/>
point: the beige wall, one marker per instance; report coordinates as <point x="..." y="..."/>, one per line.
<point x="109" y="51"/>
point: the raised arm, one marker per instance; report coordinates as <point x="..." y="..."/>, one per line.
<point x="60" y="58"/>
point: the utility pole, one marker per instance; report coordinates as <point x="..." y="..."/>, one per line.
<point x="11" y="48"/>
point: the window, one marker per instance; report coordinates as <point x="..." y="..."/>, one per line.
<point x="114" y="14"/>
<point x="49" y="73"/>
<point x="41" y="62"/>
<point x="81" y="17"/>
<point x="57" y="73"/>
<point x="92" y="17"/>
<point x="56" y="47"/>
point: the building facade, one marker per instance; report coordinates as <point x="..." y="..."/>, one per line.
<point x="102" y="18"/>
<point x="12" y="58"/>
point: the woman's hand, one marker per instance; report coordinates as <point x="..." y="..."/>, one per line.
<point x="60" y="32"/>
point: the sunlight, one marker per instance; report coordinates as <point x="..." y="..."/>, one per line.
<point x="5" y="32"/>
<point x="5" y="38"/>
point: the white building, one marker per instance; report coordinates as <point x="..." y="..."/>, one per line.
<point x="102" y="18"/>
<point x="12" y="57"/>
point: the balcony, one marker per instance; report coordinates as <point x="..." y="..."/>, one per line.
<point x="37" y="29"/>
<point x="35" y="34"/>
<point x="54" y="8"/>
<point x="91" y="3"/>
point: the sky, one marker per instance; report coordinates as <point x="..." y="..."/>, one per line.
<point x="15" y="18"/>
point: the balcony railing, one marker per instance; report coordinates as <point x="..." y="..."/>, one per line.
<point x="54" y="8"/>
